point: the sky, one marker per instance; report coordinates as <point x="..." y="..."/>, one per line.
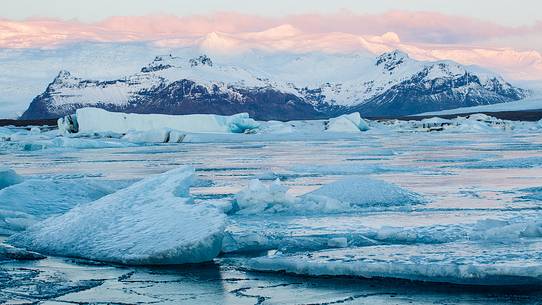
<point x="506" y="12"/>
<point x="501" y="35"/>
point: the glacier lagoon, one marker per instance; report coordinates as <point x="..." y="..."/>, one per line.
<point x="466" y="229"/>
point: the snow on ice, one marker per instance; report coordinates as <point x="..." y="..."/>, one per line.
<point x="154" y="221"/>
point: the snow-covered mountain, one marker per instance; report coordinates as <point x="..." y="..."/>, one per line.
<point x="282" y="87"/>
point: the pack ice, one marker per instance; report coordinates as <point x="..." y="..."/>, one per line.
<point x="154" y="221"/>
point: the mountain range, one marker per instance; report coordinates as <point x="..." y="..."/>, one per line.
<point x="281" y="87"/>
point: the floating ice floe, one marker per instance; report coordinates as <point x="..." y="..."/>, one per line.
<point x="32" y="200"/>
<point x="459" y="262"/>
<point x="342" y="196"/>
<point x="154" y="221"/>
<point x="8" y="177"/>
<point x="99" y="120"/>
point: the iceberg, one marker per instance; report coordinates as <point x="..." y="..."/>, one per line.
<point x="342" y="196"/>
<point x="347" y="123"/>
<point x="152" y="222"/>
<point x="9" y="177"/>
<point x="362" y="191"/>
<point x="99" y="120"/>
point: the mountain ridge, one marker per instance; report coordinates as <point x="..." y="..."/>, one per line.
<point x="302" y="87"/>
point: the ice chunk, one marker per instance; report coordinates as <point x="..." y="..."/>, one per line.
<point x="460" y="262"/>
<point x="258" y="197"/>
<point x="342" y="196"/>
<point x="99" y="120"/>
<point x="154" y="221"/>
<point x="347" y="123"/>
<point x="366" y="192"/>
<point x="68" y="124"/>
<point x="32" y="200"/>
<point x="9" y="177"/>
<point x="10" y="252"/>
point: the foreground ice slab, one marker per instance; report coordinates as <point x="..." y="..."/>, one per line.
<point x="99" y="120"/>
<point x="23" y="204"/>
<point x="460" y="263"/>
<point x="151" y="222"/>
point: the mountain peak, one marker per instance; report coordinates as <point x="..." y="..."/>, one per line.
<point x="159" y="63"/>
<point x="62" y="76"/>
<point x="202" y="60"/>
<point x="390" y="60"/>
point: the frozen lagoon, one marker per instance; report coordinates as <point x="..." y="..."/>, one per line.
<point x="481" y="189"/>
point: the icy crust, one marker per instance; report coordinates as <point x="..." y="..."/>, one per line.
<point x="343" y="196"/>
<point x="32" y="200"/>
<point x="99" y="120"/>
<point x="151" y="222"/>
<point x="461" y="263"/>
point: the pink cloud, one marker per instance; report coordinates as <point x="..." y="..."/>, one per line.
<point x="424" y="35"/>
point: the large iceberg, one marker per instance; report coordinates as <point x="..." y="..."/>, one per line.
<point x="154" y="221"/>
<point x="99" y="120"/>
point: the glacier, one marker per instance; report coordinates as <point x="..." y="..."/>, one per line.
<point x="151" y="222"/>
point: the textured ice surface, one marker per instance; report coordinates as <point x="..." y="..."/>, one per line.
<point x="9" y="177"/>
<point x="507" y="163"/>
<point x="151" y="222"/>
<point x="35" y="199"/>
<point x="461" y="263"/>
